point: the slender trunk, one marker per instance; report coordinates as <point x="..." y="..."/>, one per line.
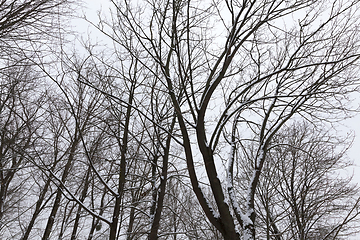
<point x="59" y="193"/>
<point x="121" y="184"/>
<point x="160" y="201"/>
<point x="82" y="199"/>
<point x="38" y="209"/>
<point x="66" y="215"/>
<point x="131" y="221"/>
<point x="153" y="185"/>
<point x="39" y="204"/>
<point x="51" y="219"/>
<point x="96" y="222"/>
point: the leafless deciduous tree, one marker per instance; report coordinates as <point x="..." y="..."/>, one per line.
<point x="237" y="72"/>
<point x="302" y="193"/>
<point x="20" y="112"/>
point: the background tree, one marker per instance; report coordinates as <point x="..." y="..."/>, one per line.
<point x="302" y="193"/>
<point x="20" y="114"/>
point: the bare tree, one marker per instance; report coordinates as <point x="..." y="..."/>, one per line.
<point x="20" y="111"/>
<point x="235" y="73"/>
<point x="302" y="194"/>
<point x="23" y="24"/>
